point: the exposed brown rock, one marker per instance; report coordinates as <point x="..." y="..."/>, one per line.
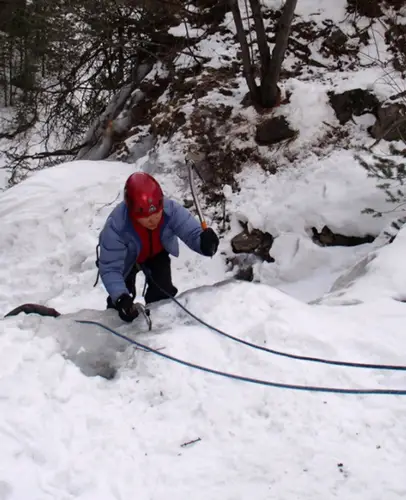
<point x="274" y="130"/>
<point x="326" y="237"/>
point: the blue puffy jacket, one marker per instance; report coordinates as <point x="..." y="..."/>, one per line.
<point x="120" y="243"/>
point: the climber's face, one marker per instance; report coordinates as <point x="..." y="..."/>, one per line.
<point x="152" y="221"/>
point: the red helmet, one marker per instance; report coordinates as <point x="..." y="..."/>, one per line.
<point x="142" y="195"/>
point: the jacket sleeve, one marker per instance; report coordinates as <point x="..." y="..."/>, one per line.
<point x="111" y="262"/>
<point x="185" y="226"/>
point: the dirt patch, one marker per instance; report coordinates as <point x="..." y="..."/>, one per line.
<point x="212" y="131"/>
<point x="192" y="84"/>
<point x="334" y="44"/>
<point x="167" y="122"/>
<point x="334" y="136"/>
<point x="221" y="137"/>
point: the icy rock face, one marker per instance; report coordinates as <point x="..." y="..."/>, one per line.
<point x="380" y="274"/>
<point x="338" y="291"/>
<point x="95" y="351"/>
<point x="356" y="272"/>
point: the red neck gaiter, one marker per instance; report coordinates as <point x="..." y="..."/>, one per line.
<point x="151" y="243"/>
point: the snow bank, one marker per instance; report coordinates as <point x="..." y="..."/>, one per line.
<point x="65" y="432"/>
<point x="382" y="273"/>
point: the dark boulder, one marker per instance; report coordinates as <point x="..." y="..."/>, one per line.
<point x="353" y="102"/>
<point x="328" y="238"/>
<point x="253" y="242"/>
<point x="274" y="130"/>
<point x="391" y="123"/>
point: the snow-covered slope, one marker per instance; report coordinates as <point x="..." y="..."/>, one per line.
<point x="74" y="436"/>
<point x="158" y="430"/>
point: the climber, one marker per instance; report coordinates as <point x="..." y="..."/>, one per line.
<point x="141" y="233"/>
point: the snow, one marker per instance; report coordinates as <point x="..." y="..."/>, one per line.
<point x="314" y="10"/>
<point x="72" y="434"/>
<point x="218" y="50"/>
<point x="184" y="30"/>
<point x="308" y="117"/>
<point x="65" y="430"/>
<point x="379" y="274"/>
<point x="314" y="194"/>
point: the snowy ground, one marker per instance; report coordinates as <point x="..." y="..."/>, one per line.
<point x="71" y="436"/>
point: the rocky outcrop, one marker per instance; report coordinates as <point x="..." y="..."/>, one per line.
<point x="353" y="102"/>
<point x="391" y="123"/>
<point x="367" y="8"/>
<point x="242" y="266"/>
<point x="335" y="43"/>
<point x="251" y="246"/>
<point x="326" y="237"/>
<point x="274" y="130"/>
<point x="253" y="242"/>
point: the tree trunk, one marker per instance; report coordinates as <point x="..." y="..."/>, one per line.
<point x="3" y="68"/>
<point x="10" y="71"/>
<point x="248" y="68"/>
<point x="266" y="94"/>
<point x="120" y="55"/>
<point x="271" y="73"/>
<point x="97" y="142"/>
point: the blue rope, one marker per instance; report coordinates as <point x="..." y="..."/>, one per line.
<point x="272" y="351"/>
<point x="398" y="392"/>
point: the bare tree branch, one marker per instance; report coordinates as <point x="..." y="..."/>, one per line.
<point x="248" y="68"/>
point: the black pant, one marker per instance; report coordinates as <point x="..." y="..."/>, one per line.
<point x="159" y="267"/>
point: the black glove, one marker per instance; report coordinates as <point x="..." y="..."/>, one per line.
<point x="126" y="309"/>
<point x="209" y="242"/>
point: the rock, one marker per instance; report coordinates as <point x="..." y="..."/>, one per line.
<point x="353" y="102"/>
<point x="188" y="203"/>
<point x="367" y="8"/>
<point x="246" y="274"/>
<point x="255" y="242"/>
<point x="335" y="43"/>
<point x="226" y="92"/>
<point x="391" y="123"/>
<point x="243" y="266"/>
<point x="274" y="130"/>
<point x="327" y="238"/>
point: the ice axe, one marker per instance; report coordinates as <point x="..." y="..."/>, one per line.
<point x="191" y="160"/>
<point x="145" y="312"/>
